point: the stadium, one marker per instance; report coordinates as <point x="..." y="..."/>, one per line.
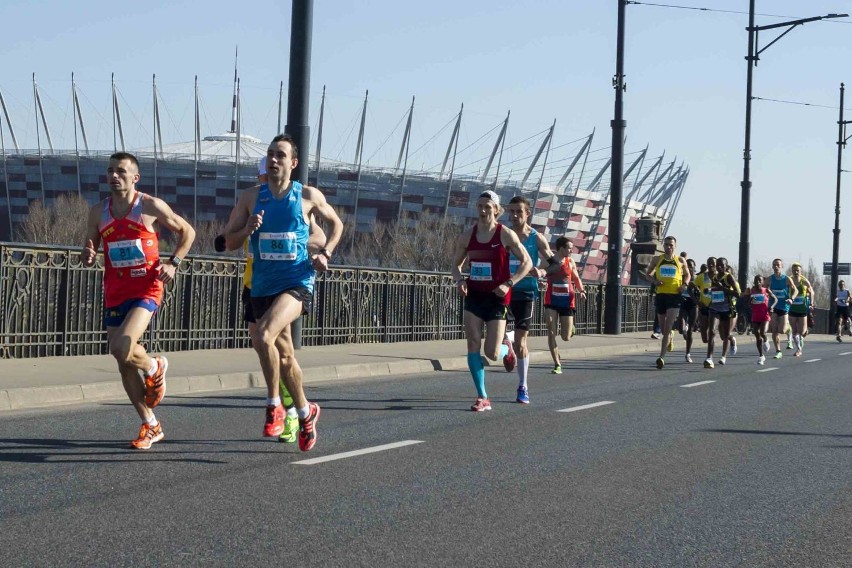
<point x="567" y="182"/>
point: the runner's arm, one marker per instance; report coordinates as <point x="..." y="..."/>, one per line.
<point x="93" y="237"/>
<point x="791" y="285"/>
<point x="774" y="299"/>
<point x="323" y="209"/>
<point x="511" y="241"/>
<point x="241" y="223"/>
<point x="545" y="254"/>
<point x="176" y="224"/>
<point x="651" y="274"/>
<point x="575" y="276"/>
<point x="459" y="256"/>
<point x="235" y="224"/>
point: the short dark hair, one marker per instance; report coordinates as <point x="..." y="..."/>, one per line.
<point x="289" y="139"/>
<point x="670" y="237"/>
<point x="561" y="242"/>
<point x="521" y="199"/>
<point x="119" y="156"/>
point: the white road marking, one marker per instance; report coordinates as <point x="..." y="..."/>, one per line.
<point x="587" y="406"/>
<point x="812" y="360"/>
<point x="698" y="384"/>
<point x="847" y="353"/>
<point x="354" y="453"/>
<point x="767" y="370"/>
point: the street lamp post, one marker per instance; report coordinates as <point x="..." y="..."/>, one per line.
<point x="835" y="251"/>
<point x="752" y="58"/>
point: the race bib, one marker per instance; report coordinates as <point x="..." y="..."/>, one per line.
<point x="126" y="254"/>
<point x="277" y="246"/>
<point x="717" y="297"/>
<point x="562" y="290"/>
<point x="758" y="298"/>
<point x="781" y="294"/>
<point x="480" y="271"/>
<point x="668" y="271"/>
<point x="798" y="301"/>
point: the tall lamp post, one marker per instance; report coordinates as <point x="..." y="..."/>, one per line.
<point x="752" y="58"/>
<point x="835" y="251"/>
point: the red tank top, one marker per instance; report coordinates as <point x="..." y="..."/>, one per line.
<point x="560" y="286"/>
<point x="489" y="264"/>
<point x="131" y="255"/>
<point x="759" y="305"/>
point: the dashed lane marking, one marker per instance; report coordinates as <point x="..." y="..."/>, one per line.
<point x="847" y="353"/>
<point x="698" y="384"/>
<point x="355" y="453"/>
<point x="587" y="406"/>
<point x="767" y="370"/>
<point x="812" y="360"/>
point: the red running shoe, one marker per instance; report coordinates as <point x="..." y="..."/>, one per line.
<point x="274" y="421"/>
<point x="155" y="385"/>
<point x="509" y="360"/>
<point x="147" y="436"/>
<point x="308" y="428"/>
<point x="481" y="405"/>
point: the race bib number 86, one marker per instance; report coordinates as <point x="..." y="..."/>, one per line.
<point x="277" y="246"/>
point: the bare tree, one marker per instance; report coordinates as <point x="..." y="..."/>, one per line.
<point x="62" y="222"/>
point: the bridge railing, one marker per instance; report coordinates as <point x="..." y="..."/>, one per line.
<point x="52" y="305"/>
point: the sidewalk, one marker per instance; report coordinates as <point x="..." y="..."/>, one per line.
<point x="34" y="383"/>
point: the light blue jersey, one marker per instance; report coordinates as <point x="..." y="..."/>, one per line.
<point x="529" y="284"/>
<point x="779" y="288"/>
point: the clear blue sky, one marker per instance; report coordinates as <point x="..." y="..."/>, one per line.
<point x="543" y="60"/>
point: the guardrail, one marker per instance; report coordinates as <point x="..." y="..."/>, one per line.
<point x="52" y="305"/>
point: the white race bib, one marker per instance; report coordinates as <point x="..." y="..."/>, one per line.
<point x="668" y="271"/>
<point x="126" y="254"/>
<point x="717" y="296"/>
<point x="480" y="271"/>
<point x="560" y="289"/>
<point x="758" y="298"/>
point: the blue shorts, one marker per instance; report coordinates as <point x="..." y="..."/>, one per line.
<point x="114" y="317"/>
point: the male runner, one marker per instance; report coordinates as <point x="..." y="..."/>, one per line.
<point x="525" y="292"/>
<point x="276" y="219"/>
<point x="563" y="279"/>
<point x="670" y="275"/>
<point x="688" y="315"/>
<point x="487" y="290"/>
<point x="134" y="275"/>
<point x="725" y="275"/>
<point x="783" y="288"/>
<point x="842" y="312"/>
<point x="799" y="308"/>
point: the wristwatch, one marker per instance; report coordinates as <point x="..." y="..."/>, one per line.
<point x="175" y="260"/>
<point x="509" y="283"/>
<point x="325" y="253"/>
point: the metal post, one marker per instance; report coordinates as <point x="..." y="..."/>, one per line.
<point x="835" y="251"/>
<point x="612" y="307"/>
<point x="745" y="185"/>
<point x="298" y="97"/>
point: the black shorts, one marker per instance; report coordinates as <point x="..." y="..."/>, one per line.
<point x="248" y="313"/>
<point x="841" y="312"/>
<point x="703" y="311"/>
<point x="687" y="304"/>
<point x="521" y="310"/>
<point x="723" y="316"/>
<point x="781" y="313"/>
<point x="666" y="302"/>
<point x="792" y="315"/>
<point x="564" y="312"/>
<point x="259" y="304"/>
<point x="486" y="306"/>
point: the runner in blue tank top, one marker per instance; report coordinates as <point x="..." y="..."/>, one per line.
<point x="275" y="217"/>
<point x="782" y="286"/>
<point x="525" y="293"/>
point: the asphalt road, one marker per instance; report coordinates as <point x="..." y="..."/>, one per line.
<point x="752" y="469"/>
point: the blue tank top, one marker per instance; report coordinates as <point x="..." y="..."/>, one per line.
<point x="280" y="246"/>
<point x="528" y="284"/>
<point x="779" y="288"/>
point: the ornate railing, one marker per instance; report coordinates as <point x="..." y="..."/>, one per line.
<point x="52" y="305"/>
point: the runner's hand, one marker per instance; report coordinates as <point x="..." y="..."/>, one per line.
<point x="501" y="290"/>
<point x="166" y="272"/>
<point x="88" y="255"/>
<point x="254" y="222"/>
<point x="320" y="262"/>
<point x="461" y="286"/>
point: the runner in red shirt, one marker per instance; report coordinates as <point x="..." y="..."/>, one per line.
<point x="758" y="298"/>
<point x="134" y="276"/>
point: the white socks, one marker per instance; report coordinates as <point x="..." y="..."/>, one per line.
<point x="523" y="368"/>
<point x="273" y="401"/>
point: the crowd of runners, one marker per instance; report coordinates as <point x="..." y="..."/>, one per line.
<point x="500" y="270"/>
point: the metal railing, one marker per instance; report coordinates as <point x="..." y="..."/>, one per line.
<point x="53" y="305"/>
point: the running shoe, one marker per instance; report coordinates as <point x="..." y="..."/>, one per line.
<point x="789" y="344"/>
<point x="661" y="362"/>
<point x="656" y="335"/>
<point x="557" y="370"/>
<point x="778" y="355"/>
<point x="148" y="435"/>
<point x="155" y="385"/>
<point x="722" y="360"/>
<point x="733" y="346"/>
<point x="509" y="360"/>
<point x="798" y="353"/>
<point x="708" y="363"/>
<point x="839" y="340"/>
<point x="291" y="428"/>
<point x="573" y="330"/>
<point x="308" y="428"/>
<point x="685" y="328"/>
<point x="274" y="424"/>
<point x="761" y="360"/>
<point x="766" y="347"/>
<point x="481" y="405"/>
<point x="688" y="358"/>
<point x="671" y="342"/>
<point x="523" y="395"/>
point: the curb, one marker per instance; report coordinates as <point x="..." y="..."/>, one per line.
<point x="26" y="398"/>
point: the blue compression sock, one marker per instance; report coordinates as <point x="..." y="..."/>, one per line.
<point x="477" y="371"/>
<point x="504" y="350"/>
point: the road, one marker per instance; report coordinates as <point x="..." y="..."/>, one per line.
<point x="752" y="469"/>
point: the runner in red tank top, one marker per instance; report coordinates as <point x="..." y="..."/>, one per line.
<point x="134" y="276"/>
<point x="560" y="300"/>
<point x="487" y="289"/>
<point x="758" y="299"/>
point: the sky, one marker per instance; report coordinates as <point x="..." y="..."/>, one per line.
<point x="543" y="60"/>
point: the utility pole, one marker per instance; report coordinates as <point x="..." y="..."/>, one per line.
<point x="835" y="251"/>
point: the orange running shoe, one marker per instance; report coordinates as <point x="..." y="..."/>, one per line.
<point x="308" y="428"/>
<point x="155" y="385"/>
<point x="274" y="421"/>
<point x="148" y="435"/>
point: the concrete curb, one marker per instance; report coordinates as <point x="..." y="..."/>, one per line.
<point x="26" y="398"/>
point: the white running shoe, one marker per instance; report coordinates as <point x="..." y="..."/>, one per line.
<point x="761" y="360"/>
<point x="766" y="347"/>
<point x="721" y="360"/>
<point x="708" y="363"/>
<point x="688" y="358"/>
<point x="733" y="346"/>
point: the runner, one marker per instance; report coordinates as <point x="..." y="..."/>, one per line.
<point x="487" y="290"/>
<point x="722" y="291"/>
<point x="723" y="271"/>
<point x="670" y="275"/>
<point x="758" y="298"/>
<point x="560" y="300"/>
<point x="127" y="223"/>
<point x="842" y="311"/>
<point x="702" y="291"/>
<point x="525" y="293"/>
<point x="688" y="315"/>
<point x="782" y="286"/>
<point x="799" y="308"/>
<point x="276" y="219"/>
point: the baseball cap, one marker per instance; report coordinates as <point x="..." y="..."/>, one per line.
<point x="488" y="194"/>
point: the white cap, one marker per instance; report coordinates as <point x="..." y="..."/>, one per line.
<point x="488" y="194"/>
<point x="261" y="167"/>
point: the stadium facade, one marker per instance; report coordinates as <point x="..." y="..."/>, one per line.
<point x="201" y="179"/>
